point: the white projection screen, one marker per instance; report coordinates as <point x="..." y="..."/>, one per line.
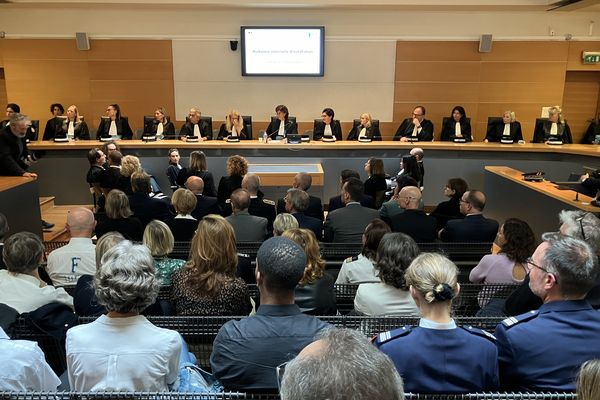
<point x="283" y="50"/>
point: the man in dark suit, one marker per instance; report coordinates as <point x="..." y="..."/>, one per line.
<point x="347" y="225"/>
<point x="413" y="221"/>
<point x="247" y="228"/>
<point x="111" y="178"/>
<point x="296" y="201"/>
<point x="303" y="181"/>
<point x="336" y="201"/>
<point x="474" y="227"/>
<point x="415" y="128"/>
<point x="144" y="207"/>
<point x="258" y="206"/>
<point x="14" y="156"/>
<point x="205" y="204"/>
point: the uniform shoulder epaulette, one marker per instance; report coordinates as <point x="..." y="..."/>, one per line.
<point x="269" y="202"/>
<point x="512" y="321"/>
<point x="391" y="335"/>
<point x="350" y="259"/>
<point x="243" y="255"/>
<point x="479" y="332"/>
<point x="228" y="201"/>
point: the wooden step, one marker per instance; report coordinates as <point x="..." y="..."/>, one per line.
<point x="58" y="216"/>
<point x="46" y="203"/>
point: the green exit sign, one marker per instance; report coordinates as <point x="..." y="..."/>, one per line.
<point x="591" y="57"/>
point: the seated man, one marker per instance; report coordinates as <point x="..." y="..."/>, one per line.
<point x="247" y="352"/>
<point x="259" y="206"/>
<point x="24" y="367"/>
<point x="341" y="364"/>
<point x="415" y="128"/>
<point x="543" y="349"/>
<point x="413" y="221"/>
<point x="336" y="201"/>
<point x="144" y="207"/>
<point x="296" y="203"/>
<point x="346" y="225"/>
<point x="66" y="264"/>
<point x="204" y="204"/>
<point x="474" y="227"/>
<point x="303" y="181"/>
<point x="248" y="228"/>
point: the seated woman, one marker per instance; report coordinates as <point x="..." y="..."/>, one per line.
<point x="450" y="209"/>
<point x="129" y="166"/>
<point x="457" y="127"/>
<point x="161" y="125"/>
<point x="113" y="124"/>
<point x="361" y="268"/>
<point x="376" y="184"/>
<point x="437" y="356"/>
<point x="390" y="296"/>
<point x="281" y="126"/>
<point x="55" y="122"/>
<point x="21" y="287"/>
<point x="122" y="350"/>
<point x="183" y="226"/>
<point x="174" y="168"/>
<point x="554" y="129"/>
<point x="159" y="240"/>
<point x="74" y="127"/>
<point x="508" y="130"/>
<point x="198" y="167"/>
<point x="207" y="284"/>
<point x="592" y="135"/>
<point x="119" y="218"/>
<point x="283" y="222"/>
<point x="409" y="166"/>
<point x="364" y="129"/>
<point x="237" y="167"/>
<point x="314" y="293"/>
<point x="329" y="128"/>
<point x="233" y="127"/>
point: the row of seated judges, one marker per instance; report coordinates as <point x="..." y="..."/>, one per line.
<point x="457" y="127"/>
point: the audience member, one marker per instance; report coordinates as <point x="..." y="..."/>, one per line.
<point x="419" y="154"/>
<point x="303" y="181"/>
<point x="204" y="204"/>
<point x="237" y="167"/>
<point x="296" y="203"/>
<point x="346" y="225"/>
<point x="24" y="367"/>
<point x="174" y="168"/>
<point x="119" y="218"/>
<point x="450" y="209"/>
<point x="283" y="222"/>
<point x="390" y="296"/>
<point x="259" y="206"/>
<point x="361" y="268"/>
<point x="15" y="159"/>
<point x="376" y="184"/>
<point x="97" y="159"/>
<point x="129" y="166"/>
<point x="588" y="380"/>
<point x="392" y="206"/>
<point x="144" y="207"/>
<point x="336" y="201"/>
<point x="409" y="166"/>
<point x="4" y="229"/>
<point x="159" y="240"/>
<point x="413" y="221"/>
<point x="246" y="352"/>
<point x="561" y="271"/>
<point x="111" y="177"/>
<point x="184" y="225"/>
<point x="247" y="228"/>
<point x="314" y="293"/>
<point x="474" y="227"/>
<point x="110" y="146"/>
<point x="341" y="364"/>
<point x="198" y="167"/>
<point x="207" y="284"/>
<point x="470" y="357"/>
<point x="122" y="350"/>
<point x="20" y="285"/>
<point x="66" y="264"/>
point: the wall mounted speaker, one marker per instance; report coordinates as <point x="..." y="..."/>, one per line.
<point x="485" y="44"/>
<point x="83" y="42"/>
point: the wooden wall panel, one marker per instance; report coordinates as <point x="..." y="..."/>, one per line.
<point x="437" y="71"/>
<point x="581" y="101"/>
<point x="3" y="98"/>
<point x="575" y="62"/>
<point x="534" y="51"/>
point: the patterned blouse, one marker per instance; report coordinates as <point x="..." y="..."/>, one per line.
<point x="165" y="267"/>
<point x="232" y="298"/>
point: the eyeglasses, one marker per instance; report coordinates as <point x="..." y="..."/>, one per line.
<point x="279" y="371"/>
<point x="529" y="261"/>
<point x="463" y="201"/>
<point x="580" y="219"/>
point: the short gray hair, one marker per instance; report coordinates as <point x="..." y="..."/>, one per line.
<point x="298" y="199"/>
<point x="22" y="252"/>
<point x="17" y="117"/>
<point x="283" y="222"/>
<point x="348" y="367"/>
<point x="581" y="225"/>
<point x="572" y="261"/>
<point x="127" y="281"/>
<point x="4" y="228"/>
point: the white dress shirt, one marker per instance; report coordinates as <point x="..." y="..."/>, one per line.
<point x="66" y="264"/>
<point x="122" y="354"/>
<point x="23" y="292"/>
<point x="24" y="367"/>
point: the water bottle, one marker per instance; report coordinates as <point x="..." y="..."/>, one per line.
<point x="265" y="137"/>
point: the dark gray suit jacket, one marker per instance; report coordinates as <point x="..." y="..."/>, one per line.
<point x="248" y="228"/>
<point x="346" y="225"/>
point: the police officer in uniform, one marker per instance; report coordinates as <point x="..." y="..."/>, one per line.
<point x="542" y="350"/>
<point x="438" y="356"/>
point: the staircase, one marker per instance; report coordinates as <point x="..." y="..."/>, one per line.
<point x="56" y="215"/>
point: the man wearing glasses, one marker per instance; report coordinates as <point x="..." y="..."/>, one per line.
<point x="474" y="227"/>
<point x="416" y="128"/>
<point x="543" y="349"/>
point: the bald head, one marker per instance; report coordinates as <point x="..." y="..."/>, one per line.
<point x="410" y="197"/>
<point x="251" y="183"/>
<point x="80" y="222"/>
<point x="302" y="181"/>
<point x="418" y="153"/>
<point x="195" y="184"/>
<point x="476" y="199"/>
